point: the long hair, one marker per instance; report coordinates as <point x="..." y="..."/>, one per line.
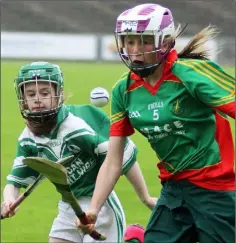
<point x="196" y="47"/>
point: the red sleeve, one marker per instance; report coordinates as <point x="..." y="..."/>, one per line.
<point x="122" y="128"/>
<point x="228" y="109"/>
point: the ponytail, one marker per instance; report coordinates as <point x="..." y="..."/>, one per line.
<point x="196" y="47"/>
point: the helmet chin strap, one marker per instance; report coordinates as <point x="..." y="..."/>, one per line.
<point x="41" y="117"/>
<point x="145" y="70"/>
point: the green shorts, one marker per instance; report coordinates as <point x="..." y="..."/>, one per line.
<point x="186" y="213"/>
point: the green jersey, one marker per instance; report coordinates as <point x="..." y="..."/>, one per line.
<point x="82" y="131"/>
<point x="183" y="118"/>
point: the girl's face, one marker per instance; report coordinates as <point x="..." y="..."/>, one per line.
<point x="140" y="49"/>
<point x="39" y="96"/>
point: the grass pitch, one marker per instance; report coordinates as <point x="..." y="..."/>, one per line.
<point x="33" y="221"/>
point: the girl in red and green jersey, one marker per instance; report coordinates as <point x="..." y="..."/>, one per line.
<point x="180" y="103"/>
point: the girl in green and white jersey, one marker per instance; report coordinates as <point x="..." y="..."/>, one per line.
<point x="55" y="131"/>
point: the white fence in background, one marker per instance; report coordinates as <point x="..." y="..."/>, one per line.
<point x="48" y="46"/>
<point x="87" y="47"/>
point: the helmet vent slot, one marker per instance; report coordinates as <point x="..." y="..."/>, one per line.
<point x="146" y="10"/>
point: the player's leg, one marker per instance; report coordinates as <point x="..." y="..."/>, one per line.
<point x="166" y="225"/>
<point x="110" y="221"/>
<point x="63" y="228"/>
<point x="171" y="221"/>
<point x="214" y="213"/>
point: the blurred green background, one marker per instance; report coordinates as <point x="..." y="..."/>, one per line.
<point x="33" y="221"/>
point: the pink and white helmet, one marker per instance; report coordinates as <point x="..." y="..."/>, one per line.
<point x="145" y="19"/>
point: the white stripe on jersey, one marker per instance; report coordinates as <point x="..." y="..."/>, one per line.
<point x="23" y="143"/>
<point x="102" y="148"/>
<point x="27" y="181"/>
<point x="18" y="162"/>
<point x="73" y="123"/>
<point x="80" y="134"/>
<point x="129" y="151"/>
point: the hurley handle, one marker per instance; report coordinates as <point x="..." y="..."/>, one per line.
<point x="14" y="205"/>
<point x="84" y="220"/>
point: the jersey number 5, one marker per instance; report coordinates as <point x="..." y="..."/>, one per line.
<point x="155" y="115"/>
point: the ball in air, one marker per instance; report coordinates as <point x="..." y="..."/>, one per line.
<point x="99" y="97"/>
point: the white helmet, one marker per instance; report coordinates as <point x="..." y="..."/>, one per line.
<point x="144" y="19"/>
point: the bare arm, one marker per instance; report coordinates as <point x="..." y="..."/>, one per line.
<point x="10" y="194"/>
<point x="109" y="173"/>
<point x="135" y="177"/>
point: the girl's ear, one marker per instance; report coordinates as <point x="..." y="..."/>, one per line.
<point x="166" y="44"/>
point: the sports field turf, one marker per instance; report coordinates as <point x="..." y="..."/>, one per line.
<point x="33" y="221"/>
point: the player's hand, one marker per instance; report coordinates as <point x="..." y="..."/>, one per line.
<point x="87" y="229"/>
<point x="6" y="210"/>
<point x="150" y="202"/>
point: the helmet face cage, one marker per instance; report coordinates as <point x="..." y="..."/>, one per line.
<point x="126" y="57"/>
<point x="53" y="98"/>
<point x="144" y="20"/>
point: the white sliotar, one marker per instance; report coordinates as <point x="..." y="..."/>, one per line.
<point x="99" y="97"/>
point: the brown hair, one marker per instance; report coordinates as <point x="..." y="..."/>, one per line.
<point x="41" y="129"/>
<point x="195" y="47"/>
